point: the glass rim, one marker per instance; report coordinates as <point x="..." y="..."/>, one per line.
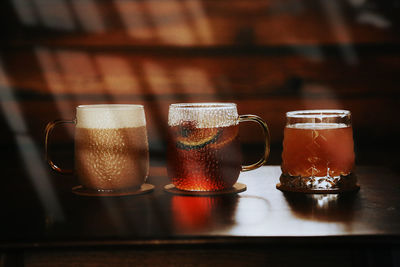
<point x="203" y="105"/>
<point x="318" y="113"/>
<point x="111" y="106"/>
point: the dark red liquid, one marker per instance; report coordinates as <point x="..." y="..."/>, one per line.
<point x="203" y="159"/>
<point x="201" y="213"/>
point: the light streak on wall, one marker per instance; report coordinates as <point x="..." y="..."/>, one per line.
<point x="29" y="151"/>
<point x="195" y="81"/>
<point x="158" y="78"/>
<point x="170" y="22"/>
<point x="55" y="82"/>
<point x="88" y="15"/>
<point x="135" y="18"/>
<point x="55" y="14"/>
<point x="79" y="72"/>
<point x="25" y="12"/>
<point x="338" y="24"/>
<point x="201" y="24"/>
<point x="117" y="74"/>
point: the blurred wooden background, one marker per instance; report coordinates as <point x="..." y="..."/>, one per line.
<point x="268" y="56"/>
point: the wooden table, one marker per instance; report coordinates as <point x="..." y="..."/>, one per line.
<point x="43" y="223"/>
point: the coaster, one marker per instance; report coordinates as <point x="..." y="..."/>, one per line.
<point x="236" y="188"/>
<point x="284" y="188"/>
<point x="82" y="191"/>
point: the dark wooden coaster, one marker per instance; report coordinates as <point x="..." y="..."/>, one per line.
<point x="82" y="191"/>
<point x="236" y="188"/>
<point x="283" y="188"/>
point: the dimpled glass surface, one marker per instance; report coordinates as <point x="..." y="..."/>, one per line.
<point x="206" y="115"/>
<point x="203" y="148"/>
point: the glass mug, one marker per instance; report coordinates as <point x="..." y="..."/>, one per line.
<point x="203" y="148"/>
<point x="111" y="147"/>
<point x="318" y="150"/>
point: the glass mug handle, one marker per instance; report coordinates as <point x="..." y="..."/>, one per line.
<point x="264" y="126"/>
<point x="49" y="128"/>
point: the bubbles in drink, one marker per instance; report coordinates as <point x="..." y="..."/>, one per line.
<point x="203" y="158"/>
<point x="111" y="147"/>
<point x="111" y="159"/>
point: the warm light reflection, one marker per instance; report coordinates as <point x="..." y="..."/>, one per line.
<point x="194" y="81"/>
<point x="170" y="21"/>
<point x="201" y="26"/>
<point x="268" y="211"/>
<point x="255" y="216"/>
<point x="252" y="210"/>
<point x="158" y="78"/>
<point x="57" y="14"/>
<point x="79" y="72"/>
<point x="55" y="82"/>
<point x="192" y="213"/>
<point x="333" y="208"/>
<point x="28" y="149"/>
<point x="135" y="18"/>
<point x="324" y="200"/>
<point x="117" y="74"/>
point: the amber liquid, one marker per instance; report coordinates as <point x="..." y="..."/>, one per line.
<point x="208" y="159"/>
<point x="111" y="159"/>
<point x="318" y="150"/>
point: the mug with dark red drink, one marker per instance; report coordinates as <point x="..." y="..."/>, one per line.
<point x="204" y="151"/>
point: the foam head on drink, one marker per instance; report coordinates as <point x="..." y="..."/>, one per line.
<point x="203" y="148"/>
<point x="111" y="146"/>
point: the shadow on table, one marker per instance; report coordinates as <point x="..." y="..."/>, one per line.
<point x="323" y="207"/>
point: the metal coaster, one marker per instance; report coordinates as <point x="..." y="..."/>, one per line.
<point x="82" y="191"/>
<point x="284" y="188"/>
<point x="236" y="188"/>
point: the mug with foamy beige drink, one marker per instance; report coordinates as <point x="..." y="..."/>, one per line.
<point x="111" y="149"/>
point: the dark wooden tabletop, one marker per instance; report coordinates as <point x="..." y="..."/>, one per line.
<point x="38" y="209"/>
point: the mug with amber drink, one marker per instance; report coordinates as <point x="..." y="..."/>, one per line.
<point x="204" y="153"/>
<point x="111" y="150"/>
<point x="318" y="152"/>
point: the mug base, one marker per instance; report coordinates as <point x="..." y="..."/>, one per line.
<point x="284" y="188"/>
<point x="318" y="185"/>
<point x="236" y="188"/>
<point x="83" y="191"/>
